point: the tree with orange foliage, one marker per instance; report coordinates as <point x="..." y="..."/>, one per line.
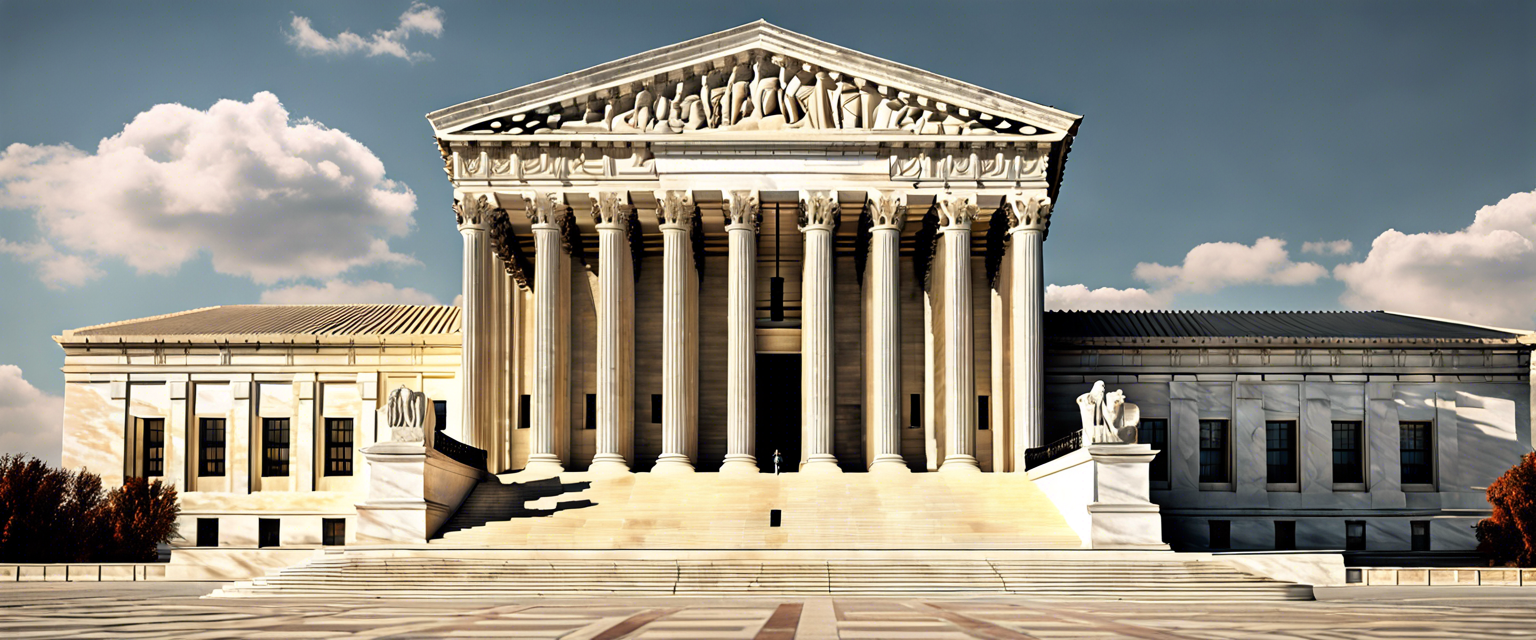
<point x="58" y="515"/>
<point x="1509" y="537"/>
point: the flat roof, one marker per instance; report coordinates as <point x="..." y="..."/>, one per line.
<point x="1367" y="325"/>
<point x="246" y="321"/>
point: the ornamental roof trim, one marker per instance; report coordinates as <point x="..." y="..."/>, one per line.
<point x="240" y="323"/>
<point x="1299" y="327"/>
<point x="654" y="69"/>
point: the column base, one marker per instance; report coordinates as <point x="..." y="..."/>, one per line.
<point x="960" y="464"/>
<point x="608" y="463"/>
<point x="543" y="465"/>
<point x="889" y="463"/>
<point x="672" y="463"/>
<point x="821" y="463"/>
<point x="739" y="463"/>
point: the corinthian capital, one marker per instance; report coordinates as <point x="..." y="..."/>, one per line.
<point x="545" y="208"/>
<point x="611" y="209"/>
<point x="472" y="210"/>
<point x="819" y="210"/>
<point x="887" y="209"/>
<point x="675" y="209"/>
<point x="741" y="210"/>
<point x="956" y="211"/>
<point x="1027" y="213"/>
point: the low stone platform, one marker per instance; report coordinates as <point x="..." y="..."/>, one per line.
<point x="734" y="511"/>
<point x="476" y="573"/>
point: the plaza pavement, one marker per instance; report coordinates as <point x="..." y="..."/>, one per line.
<point x="169" y="609"/>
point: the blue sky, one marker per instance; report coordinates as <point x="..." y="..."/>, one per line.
<point x="1209" y="127"/>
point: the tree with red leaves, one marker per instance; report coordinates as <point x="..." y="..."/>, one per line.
<point x="1509" y="537"/>
<point x="57" y="515"/>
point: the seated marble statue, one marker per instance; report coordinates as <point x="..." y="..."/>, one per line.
<point x="1107" y="417"/>
<point x="410" y="416"/>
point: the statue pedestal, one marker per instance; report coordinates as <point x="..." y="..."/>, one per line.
<point x="412" y="491"/>
<point x="1104" y="491"/>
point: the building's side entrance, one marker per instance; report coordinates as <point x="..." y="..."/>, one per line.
<point x="778" y="410"/>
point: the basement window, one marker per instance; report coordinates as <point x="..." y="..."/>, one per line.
<point x="775" y="517"/>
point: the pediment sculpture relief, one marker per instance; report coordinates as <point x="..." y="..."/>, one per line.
<point x="764" y="95"/>
<point x="1107" y="417"/>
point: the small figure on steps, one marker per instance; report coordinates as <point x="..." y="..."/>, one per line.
<point x="778" y="458"/>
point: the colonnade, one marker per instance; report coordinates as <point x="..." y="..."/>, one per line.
<point x="677" y="213"/>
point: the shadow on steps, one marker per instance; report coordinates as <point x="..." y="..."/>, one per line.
<point x="493" y="501"/>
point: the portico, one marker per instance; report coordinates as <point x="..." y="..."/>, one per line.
<point x="656" y="222"/>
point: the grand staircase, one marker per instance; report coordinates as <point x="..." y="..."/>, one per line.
<point x="492" y="574"/>
<point x="725" y="511"/>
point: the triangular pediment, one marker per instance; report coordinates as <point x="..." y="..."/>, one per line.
<point x="754" y="78"/>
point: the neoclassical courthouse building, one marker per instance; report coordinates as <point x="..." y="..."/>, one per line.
<point x="755" y="250"/>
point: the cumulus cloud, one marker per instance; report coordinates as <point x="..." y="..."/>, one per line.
<point x="1484" y="273"/>
<point x="1216" y="265"/>
<point x="343" y="292"/>
<point x="1076" y="297"/>
<point x="1333" y="248"/>
<point x="31" y="421"/>
<point x="57" y="270"/>
<point x="419" y="18"/>
<point x="263" y="196"/>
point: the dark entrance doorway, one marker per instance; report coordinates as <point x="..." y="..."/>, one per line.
<point x="778" y="410"/>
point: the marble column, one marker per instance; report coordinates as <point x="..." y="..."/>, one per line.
<point x="819" y="211"/>
<point x="473" y="213"/>
<point x="956" y="212"/>
<point x="741" y="224"/>
<point x="676" y="214"/>
<point x="1028" y="217"/>
<point x="611" y="212"/>
<point x="888" y="210"/>
<point x="551" y="301"/>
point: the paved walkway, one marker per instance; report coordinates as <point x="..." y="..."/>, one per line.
<point x="107" y="610"/>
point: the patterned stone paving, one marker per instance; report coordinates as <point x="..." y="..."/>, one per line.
<point x="156" y="610"/>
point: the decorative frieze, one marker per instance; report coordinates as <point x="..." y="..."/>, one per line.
<point x="989" y="164"/>
<point x="555" y="163"/>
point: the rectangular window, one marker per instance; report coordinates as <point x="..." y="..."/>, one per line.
<point x="274" y="447"/>
<point x="1221" y="534"/>
<point x="1280" y="440"/>
<point x="210" y="447"/>
<point x="1213" y="451"/>
<point x="1415" y="448"/>
<point x="154" y="446"/>
<point x="333" y="531"/>
<point x="268" y="533"/>
<point x="1420" y="535"/>
<point x="440" y="411"/>
<point x="655" y="408"/>
<point x="207" y="532"/>
<point x="1348" y="459"/>
<point x="1285" y="535"/>
<point x="983" y="421"/>
<point x="338" y="446"/>
<point x="1354" y="535"/>
<point x="915" y="412"/>
<point x="591" y="411"/>
<point x="524" y="410"/>
<point x="1154" y="432"/>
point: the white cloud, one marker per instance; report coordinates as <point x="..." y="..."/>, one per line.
<point x="458" y="300"/>
<point x="1216" y="265"/>
<point x="419" y="18"/>
<point x="343" y="292"/>
<point x="264" y="197"/>
<point x="1076" y="297"/>
<point x="57" y="270"/>
<point x="30" y="421"/>
<point x="1333" y="248"/>
<point x="1485" y="273"/>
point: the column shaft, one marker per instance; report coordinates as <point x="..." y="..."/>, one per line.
<point x="473" y="321"/>
<point x="959" y="341"/>
<point x="818" y="218"/>
<point x="885" y="321"/>
<point x="741" y="349"/>
<point x="551" y="268"/>
<point x="677" y="386"/>
<point x="1028" y="336"/>
<point x="615" y="375"/>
